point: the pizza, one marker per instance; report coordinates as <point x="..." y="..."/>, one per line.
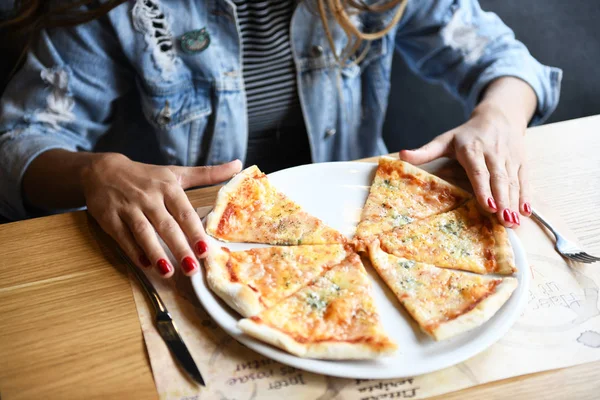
<point x="466" y="238"/>
<point x="443" y="302"/>
<point x="332" y="318"/>
<point x="446" y="260"/>
<point x="401" y="193"/>
<point x="253" y="280"/>
<point x="249" y="209"/>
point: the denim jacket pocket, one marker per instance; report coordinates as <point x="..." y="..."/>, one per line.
<point x="180" y="114"/>
<point x="374" y="50"/>
<point x="326" y="59"/>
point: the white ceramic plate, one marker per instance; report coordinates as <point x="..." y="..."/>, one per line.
<point x="336" y="193"/>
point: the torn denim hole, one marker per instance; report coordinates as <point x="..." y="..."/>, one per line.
<point x="59" y="103"/>
<point x="151" y="21"/>
<point x="463" y="36"/>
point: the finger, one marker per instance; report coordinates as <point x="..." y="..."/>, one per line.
<point x="500" y="190"/>
<point x="171" y="233"/>
<point x="525" y="194"/>
<point x="180" y="208"/>
<point x="514" y="190"/>
<point x="145" y="236"/>
<point x="474" y="164"/>
<point x="200" y="176"/>
<point x="116" y="228"/>
<point x="438" y="147"/>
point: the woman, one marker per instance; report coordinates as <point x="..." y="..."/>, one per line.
<point x="124" y="112"/>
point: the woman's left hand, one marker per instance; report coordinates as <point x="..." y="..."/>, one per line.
<point x="491" y="149"/>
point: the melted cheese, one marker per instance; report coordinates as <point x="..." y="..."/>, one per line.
<point x="399" y="196"/>
<point x="432" y="295"/>
<point x="460" y="239"/>
<point x="277" y="272"/>
<point x="256" y="212"/>
<point x="338" y="306"/>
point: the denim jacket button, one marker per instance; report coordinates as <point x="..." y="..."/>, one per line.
<point x="316" y="51"/>
<point x="330" y="132"/>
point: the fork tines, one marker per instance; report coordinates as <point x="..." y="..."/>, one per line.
<point x="583" y="257"/>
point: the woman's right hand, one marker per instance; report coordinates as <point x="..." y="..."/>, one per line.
<point x="133" y="201"/>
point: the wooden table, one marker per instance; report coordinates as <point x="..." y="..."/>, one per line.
<point x="69" y="327"/>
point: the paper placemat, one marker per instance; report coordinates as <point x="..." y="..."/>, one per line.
<point x="559" y="328"/>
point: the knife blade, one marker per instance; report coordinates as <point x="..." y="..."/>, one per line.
<point x="166" y="326"/>
<point x="168" y="331"/>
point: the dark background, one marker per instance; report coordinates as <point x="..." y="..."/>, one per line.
<point x="559" y="33"/>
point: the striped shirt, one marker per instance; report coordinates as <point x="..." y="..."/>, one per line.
<point x="269" y="70"/>
<point x="277" y="135"/>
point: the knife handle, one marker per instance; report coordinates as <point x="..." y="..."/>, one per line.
<point x="157" y="303"/>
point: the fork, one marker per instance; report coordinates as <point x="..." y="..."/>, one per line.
<point x="563" y="246"/>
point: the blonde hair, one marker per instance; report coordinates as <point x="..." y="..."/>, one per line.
<point x="342" y="10"/>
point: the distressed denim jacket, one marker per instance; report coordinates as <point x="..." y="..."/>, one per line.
<point x="123" y="83"/>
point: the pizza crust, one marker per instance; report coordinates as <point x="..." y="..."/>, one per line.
<point x="326" y="350"/>
<point x="426" y="176"/>
<point x="485" y="310"/>
<point x="505" y="258"/>
<point x="238" y="296"/>
<point x="503" y="251"/>
<point x="214" y="217"/>
<point x="360" y="245"/>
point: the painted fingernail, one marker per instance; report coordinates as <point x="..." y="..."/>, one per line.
<point x="506" y="214"/>
<point x="189" y="264"/>
<point x="492" y="204"/>
<point x="144" y="261"/>
<point x="515" y="218"/>
<point x="201" y="247"/>
<point x="527" y="208"/>
<point x="164" y="267"/>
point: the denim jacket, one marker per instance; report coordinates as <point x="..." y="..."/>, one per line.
<point x="124" y="83"/>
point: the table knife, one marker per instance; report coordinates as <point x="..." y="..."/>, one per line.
<point x="166" y="326"/>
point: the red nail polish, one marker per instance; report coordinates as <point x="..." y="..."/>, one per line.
<point x="506" y="215"/>
<point x="515" y="218"/>
<point x="527" y="208"/>
<point x="492" y="204"/>
<point x="164" y="267"/>
<point x="144" y="261"/>
<point x="189" y="264"/>
<point x="201" y="247"/>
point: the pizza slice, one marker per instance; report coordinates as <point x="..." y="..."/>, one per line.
<point x="249" y="209"/>
<point x="401" y="193"/>
<point x="466" y="238"/>
<point x="444" y="302"/>
<point x="333" y="318"/>
<point x="253" y="280"/>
